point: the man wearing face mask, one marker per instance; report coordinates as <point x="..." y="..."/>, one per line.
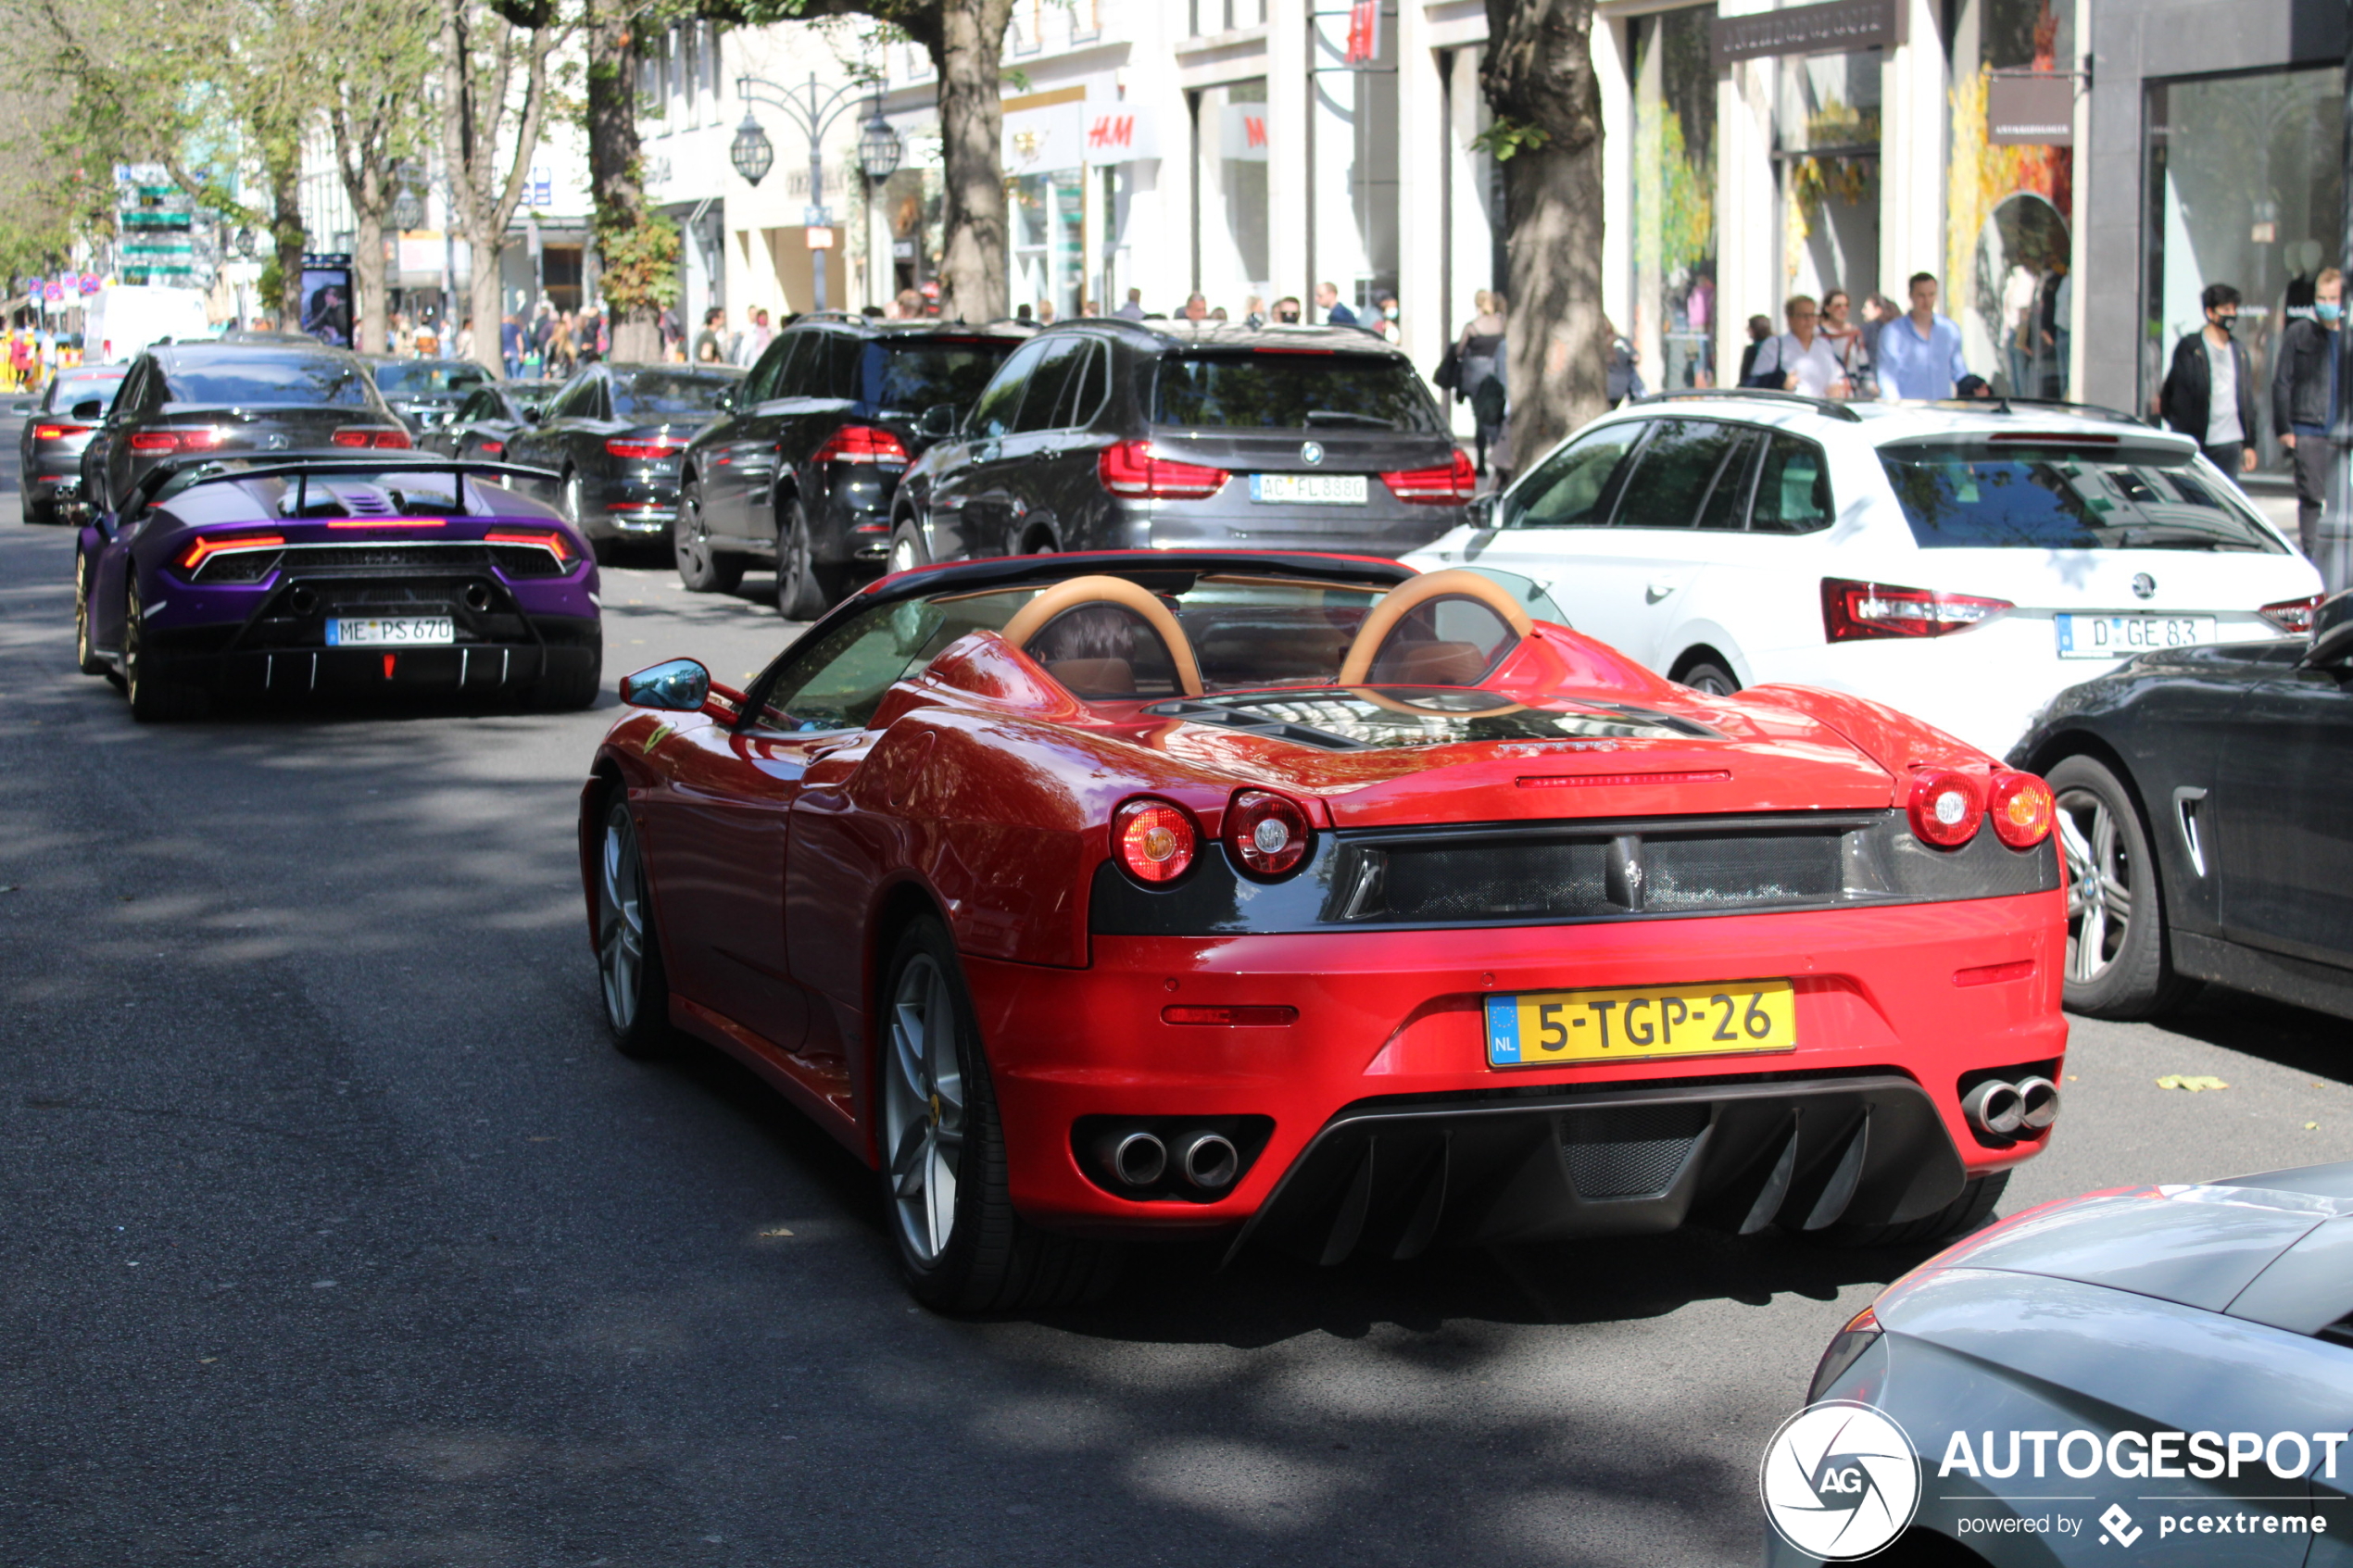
<point x="2304" y="399"/>
<point x="2209" y="391"/>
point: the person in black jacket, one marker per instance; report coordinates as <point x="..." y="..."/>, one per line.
<point x="2209" y="391"/>
<point x="2303" y="400"/>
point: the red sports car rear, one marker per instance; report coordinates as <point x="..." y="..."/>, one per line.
<point x="1306" y="902"/>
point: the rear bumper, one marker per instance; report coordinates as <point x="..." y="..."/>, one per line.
<point x="225" y="659"/>
<point x="1383" y="1080"/>
<point x="639" y="505"/>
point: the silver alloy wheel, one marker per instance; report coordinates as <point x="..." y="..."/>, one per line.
<point x="621" y="919"/>
<point x="923" y="1106"/>
<point x="688" y="540"/>
<point x="902" y="553"/>
<point x="2100" y="883"/>
<point x="571" y="499"/>
<point x="1709" y="682"/>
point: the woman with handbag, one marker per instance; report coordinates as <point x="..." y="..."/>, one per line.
<point x="1477" y="357"/>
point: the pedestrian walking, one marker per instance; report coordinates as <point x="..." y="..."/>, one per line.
<point x="1620" y="378"/>
<point x="1387" y="324"/>
<point x="2304" y="397"/>
<point x="1335" y="313"/>
<point x="1196" y="307"/>
<point x="708" y="349"/>
<point x="1918" y="354"/>
<point x="1134" y="309"/>
<point x="1254" y="312"/>
<point x="1801" y="359"/>
<point x="2209" y="391"/>
<point x="511" y="344"/>
<point x="1760" y="328"/>
<point x="1287" y="311"/>
<point x="1478" y="354"/>
<point x="1846" y="339"/>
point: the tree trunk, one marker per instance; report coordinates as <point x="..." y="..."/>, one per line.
<point x="476" y="99"/>
<point x="1558" y="370"/>
<point x="1538" y="81"/>
<point x="967" y="53"/>
<point x="285" y="230"/>
<point x="634" y="284"/>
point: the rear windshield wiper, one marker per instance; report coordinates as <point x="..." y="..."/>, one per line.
<point x="1339" y="417"/>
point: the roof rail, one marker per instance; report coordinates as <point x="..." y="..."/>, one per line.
<point x="1829" y="406"/>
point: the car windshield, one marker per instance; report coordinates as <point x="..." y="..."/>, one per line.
<point x="914" y="373"/>
<point x="2011" y="495"/>
<point x="302" y="380"/>
<point x="646" y="394"/>
<point x="1245" y="632"/>
<point x="1291" y="389"/>
<point x="82" y="386"/>
<point x="422" y="377"/>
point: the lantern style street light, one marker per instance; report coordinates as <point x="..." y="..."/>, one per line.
<point x="879" y="148"/>
<point x="814" y="112"/>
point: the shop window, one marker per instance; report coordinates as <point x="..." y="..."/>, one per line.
<point x="1674" y="196"/>
<point x="2246" y="187"/>
<point x="1049" y="259"/>
<point x="1352" y="177"/>
<point x="1826" y="140"/>
<point x="2009" y="211"/>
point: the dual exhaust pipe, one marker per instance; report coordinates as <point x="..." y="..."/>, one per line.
<point x="2003" y="1110"/>
<point x="1138" y="1159"/>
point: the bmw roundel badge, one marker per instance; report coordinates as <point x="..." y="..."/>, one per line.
<point x="1311" y="452"/>
<point x="2144" y="586"/>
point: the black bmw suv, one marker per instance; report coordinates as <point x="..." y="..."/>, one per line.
<point x="1112" y="436"/>
<point x="803" y="471"/>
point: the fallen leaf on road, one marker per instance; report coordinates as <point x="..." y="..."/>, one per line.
<point x="2311" y="1126"/>
<point x="2189" y="1082"/>
<point x="773" y="1233"/>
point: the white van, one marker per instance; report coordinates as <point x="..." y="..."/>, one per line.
<point x="124" y="318"/>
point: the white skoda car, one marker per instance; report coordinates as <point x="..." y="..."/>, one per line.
<point x="1962" y="563"/>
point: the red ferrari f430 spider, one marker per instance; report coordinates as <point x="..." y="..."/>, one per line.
<point x="1310" y="902"/>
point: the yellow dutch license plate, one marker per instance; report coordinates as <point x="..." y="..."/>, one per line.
<point x="1536" y="1028"/>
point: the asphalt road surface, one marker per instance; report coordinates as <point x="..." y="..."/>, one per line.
<point x="337" y="1234"/>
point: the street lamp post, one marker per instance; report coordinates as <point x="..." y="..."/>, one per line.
<point x="814" y="112"/>
<point x="879" y="151"/>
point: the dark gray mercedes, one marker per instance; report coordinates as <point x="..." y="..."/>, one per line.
<point x="1112" y="434"/>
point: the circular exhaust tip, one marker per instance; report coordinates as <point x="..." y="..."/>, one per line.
<point x="2038" y="1103"/>
<point x="302" y="601"/>
<point x="1995" y="1106"/>
<point x="478" y="596"/>
<point x="1137" y="1158"/>
<point x="1209" y="1161"/>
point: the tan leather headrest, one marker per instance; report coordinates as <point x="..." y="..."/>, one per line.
<point x="1033" y="617"/>
<point x="1408" y="596"/>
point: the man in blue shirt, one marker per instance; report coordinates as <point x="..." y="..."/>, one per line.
<point x="1327" y="301"/>
<point x="1918" y="354"/>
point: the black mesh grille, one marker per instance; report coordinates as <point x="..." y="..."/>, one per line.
<point x="1632" y="1152"/>
<point x="1702" y="873"/>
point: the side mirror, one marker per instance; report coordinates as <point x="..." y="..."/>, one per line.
<point x="89" y="408"/>
<point x="2332" y="632"/>
<point x="533" y="415"/>
<point x="938" y="422"/>
<point x="680" y="686"/>
<point x="1481" y="513"/>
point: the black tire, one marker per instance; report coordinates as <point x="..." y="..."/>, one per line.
<point x="938" y="1117"/>
<point x="155" y="696"/>
<point x="906" y="547"/>
<point x="701" y="568"/>
<point x="1710" y="678"/>
<point x="630" y="976"/>
<point x="86" y="656"/>
<point x="1956" y="1219"/>
<point x="805" y="587"/>
<point x="575" y="685"/>
<point x="2111" y="974"/>
<point x="41" y="512"/>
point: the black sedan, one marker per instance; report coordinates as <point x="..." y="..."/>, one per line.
<point x="2202" y="813"/>
<point x="614" y="435"/>
<point x="233" y="400"/>
<point x="60" y="425"/>
<point x="425" y="392"/>
<point x="488" y="419"/>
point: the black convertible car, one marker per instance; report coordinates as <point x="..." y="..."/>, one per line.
<point x="612" y="435"/>
<point x="2202" y="809"/>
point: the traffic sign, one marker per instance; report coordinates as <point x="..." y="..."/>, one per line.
<point x="816" y="217"/>
<point x="51" y="293"/>
<point x="819" y="238"/>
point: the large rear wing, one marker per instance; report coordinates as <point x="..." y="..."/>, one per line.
<point x="196" y="469"/>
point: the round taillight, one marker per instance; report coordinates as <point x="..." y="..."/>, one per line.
<point x="2022" y="810"/>
<point x="1266" y="834"/>
<point x="1153" y="841"/>
<point x="1946" y="807"/>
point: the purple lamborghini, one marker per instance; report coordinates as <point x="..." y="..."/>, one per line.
<point x="276" y="577"/>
